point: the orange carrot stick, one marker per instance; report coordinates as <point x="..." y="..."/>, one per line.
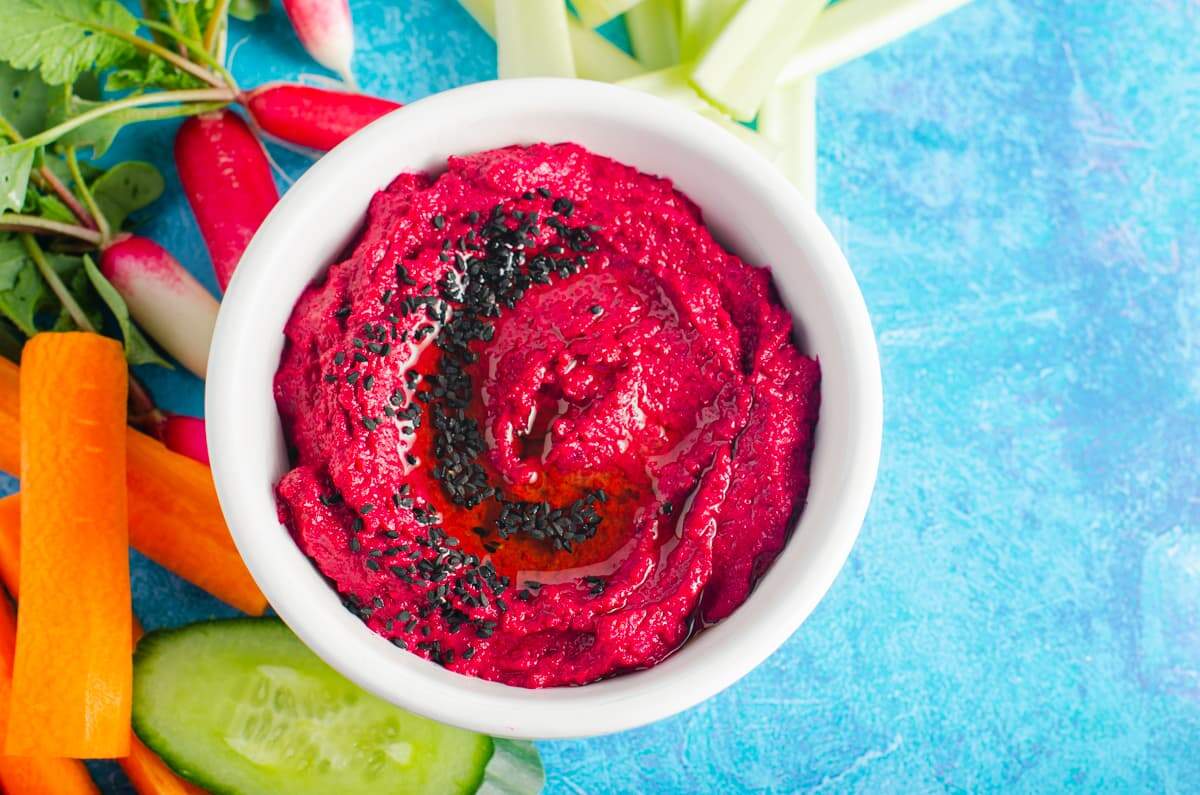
<point x="174" y="518"/>
<point x="72" y="674"/>
<point x="10" y="544"/>
<point x="176" y="521"/>
<point x="148" y="774"/>
<point x="10" y="417"/>
<point x="23" y="775"/>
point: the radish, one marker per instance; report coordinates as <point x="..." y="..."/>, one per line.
<point x="314" y="117"/>
<point x="326" y="30"/>
<point x="185" y="435"/>
<point x="227" y="179"/>
<point x="163" y="298"/>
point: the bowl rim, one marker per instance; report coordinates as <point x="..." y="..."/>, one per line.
<point x="615" y="704"/>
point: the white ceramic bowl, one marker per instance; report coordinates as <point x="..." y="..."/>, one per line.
<point x="753" y="210"/>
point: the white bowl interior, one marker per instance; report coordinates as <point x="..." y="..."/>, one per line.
<point x="751" y="209"/>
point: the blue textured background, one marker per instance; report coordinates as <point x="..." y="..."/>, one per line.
<point x="1017" y="190"/>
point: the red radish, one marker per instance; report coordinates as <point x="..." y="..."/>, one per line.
<point x="314" y="117"/>
<point x="163" y="298"/>
<point x="185" y="435"/>
<point x="326" y="30"/>
<point x="227" y="179"/>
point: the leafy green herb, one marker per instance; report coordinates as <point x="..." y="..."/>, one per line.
<point x="65" y="38"/>
<point x="23" y="292"/>
<point x="50" y="206"/>
<point x="126" y="188"/>
<point x="137" y="348"/>
<point x="71" y="271"/>
<point x="23" y="99"/>
<point x="247" y="10"/>
<point x="154" y="73"/>
<point x="99" y="134"/>
<point x="14" y="178"/>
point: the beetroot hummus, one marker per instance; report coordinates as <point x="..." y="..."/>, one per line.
<point x="543" y="427"/>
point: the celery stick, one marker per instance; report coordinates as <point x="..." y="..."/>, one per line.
<point x="759" y="142"/>
<point x="740" y="66"/>
<point x="853" y="28"/>
<point x="788" y="119"/>
<point x="671" y="84"/>
<point x="594" y="13"/>
<point x="483" y="12"/>
<point x="596" y="58"/>
<point x="653" y="27"/>
<point x="532" y="39"/>
<point x="699" y="23"/>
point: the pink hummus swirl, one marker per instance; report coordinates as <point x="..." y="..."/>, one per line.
<point x="543" y="427"/>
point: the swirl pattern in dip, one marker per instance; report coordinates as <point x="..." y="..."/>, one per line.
<point x="543" y="427"/>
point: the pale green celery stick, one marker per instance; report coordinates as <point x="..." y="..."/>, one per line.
<point x="483" y="12"/>
<point x="596" y="58"/>
<point x="764" y="147"/>
<point x="699" y="23"/>
<point x="740" y="66"/>
<point x="788" y="119"/>
<point x="532" y="40"/>
<point x="672" y="84"/>
<point x="653" y="27"/>
<point x="594" y="13"/>
<point x="853" y="28"/>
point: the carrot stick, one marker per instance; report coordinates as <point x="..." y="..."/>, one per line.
<point x="72" y="685"/>
<point x="22" y="775"/>
<point x="174" y="518"/>
<point x="10" y="417"/>
<point x="10" y="544"/>
<point x="149" y="774"/>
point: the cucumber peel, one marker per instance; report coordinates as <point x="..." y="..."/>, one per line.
<point x="241" y="706"/>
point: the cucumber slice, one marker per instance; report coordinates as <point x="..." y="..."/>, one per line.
<point x="241" y="706"/>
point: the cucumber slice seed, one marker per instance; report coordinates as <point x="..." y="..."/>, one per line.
<point x="241" y="706"/>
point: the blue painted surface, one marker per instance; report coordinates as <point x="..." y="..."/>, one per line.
<point x="1017" y="190"/>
